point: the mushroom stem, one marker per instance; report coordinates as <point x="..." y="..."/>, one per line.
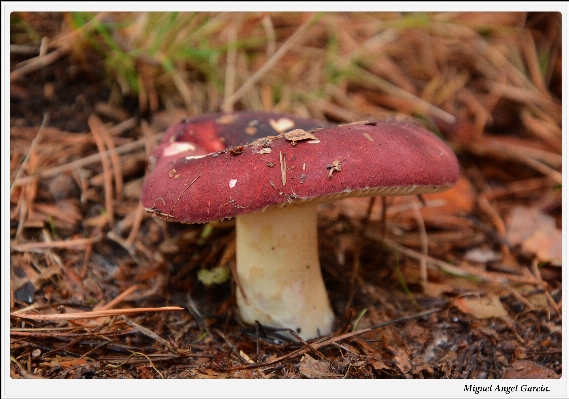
<point x="279" y="271"/>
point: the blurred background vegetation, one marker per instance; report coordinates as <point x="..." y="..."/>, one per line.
<point x="496" y="71"/>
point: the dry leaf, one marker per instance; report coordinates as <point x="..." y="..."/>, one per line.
<point x="209" y="373"/>
<point x="537" y="299"/>
<point x="281" y="124"/>
<point x="446" y="363"/>
<point x="536" y="232"/>
<point x="528" y="370"/>
<point x="378" y="364"/>
<point x="401" y="359"/>
<point x="312" y="368"/>
<point x="64" y="362"/>
<point x="482" y="308"/>
<point x="482" y="255"/>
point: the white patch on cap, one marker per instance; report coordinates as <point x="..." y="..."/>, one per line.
<point x="232" y="183"/>
<point x="176" y="148"/>
<point x="195" y="156"/>
<point x="282" y="124"/>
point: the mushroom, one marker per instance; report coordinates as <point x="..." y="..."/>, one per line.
<point x="274" y="196"/>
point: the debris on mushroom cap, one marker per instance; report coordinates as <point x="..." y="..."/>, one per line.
<point x="402" y="158"/>
<point x="215" y="132"/>
<point x="171" y="151"/>
<point x="299" y="135"/>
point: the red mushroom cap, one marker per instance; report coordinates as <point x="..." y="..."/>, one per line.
<point x="380" y="158"/>
<point x="216" y="131"/>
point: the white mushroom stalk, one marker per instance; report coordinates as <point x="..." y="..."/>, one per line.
<point x="279" y="271"/>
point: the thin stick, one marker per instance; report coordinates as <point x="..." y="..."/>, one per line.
<point x="84" y="268"/>
<point x="282" y="159"/>
<point x="230" y="69"/>
<point x="35" y="142"/>
<point x="498" y="278"/>
<point x="396" y="91"/>
<point x="497" y="220"/>
<point x="138" y="215"/>
<point x="37" y="63"/>
<point x="41" y="246"/>
<point x="115" y="161"/>
<point x="96" y="126"/>
<point x="270" y="63"/>
<point x="62" y="47"/>
<point x="94" y="314"/>
<point x="139" y="354"/>
<point x="444" y="266"/>
<point x="183" y="191"/>
<point x="118" y="299"/>
<point x="537" y="274"/>
<point x="79" y="163"/>
<point x="517" y="153"/>
<point x="330" y="341"/>
<point x="147" y="332"/>
<point x="23" y="371"/>
<point x="270" y="34"/>
<point x="424" y="242"/>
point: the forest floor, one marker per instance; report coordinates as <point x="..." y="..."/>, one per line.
<point x="461" y="284"/>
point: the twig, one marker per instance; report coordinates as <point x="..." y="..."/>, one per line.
<point x="497" y="220"/>
<point x="183" y="88"/>
<point x="138" y="215"/>
<point x="240" y="354"/>
<point x="537" y="274"/>
<point x="390" y="88"/>
<point x="96" y="126"/>
<point x="282" y="158"/>
<point x="330" y="341"/>
<point x="148" y="333"/>
<point x="140" y="354"/>
<point x="23" y="371"/>
<point x="38" y="62"/>
<point x="82" y="161"/>
<point x="79" y="31"/>
<point x="270" y="34"/>
<point x="543" y="130"/>
<point x="522" y="94"/>
<point x="69" y="272"/>
<point x="40" y="246"/>
<point x="197" y="316"/>
<point x="118" y="299"/>
<point x="183" y="191"/>
<point x="520" y="297"/>
<point x="230" y="68"/>
<point x="115" y="161"/>
<point x="85" y="266"/>
<point x="519" y="187"/>
<point x="444" y="266"/>
<point x="94" y="314"/>
<point x="264" y="329"/>
<point x="35" y="142"/>
<point x="270" y="62"/>
<point x="424" y="242"/>
<point x="61" y="332"/>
